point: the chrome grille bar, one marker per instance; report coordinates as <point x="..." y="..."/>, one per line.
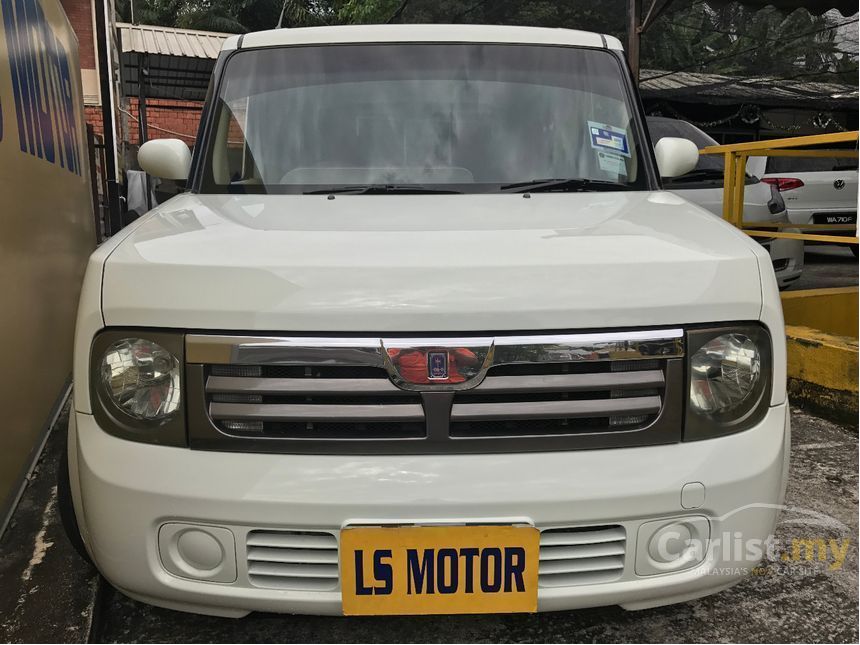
<point x="510" y="393"/>
<point x="303" y="386"/>
<point x="316" y="413"/>
<point x="571" y="382"/>
<point x="554" y="409"/>
<point x="299" y="350"/>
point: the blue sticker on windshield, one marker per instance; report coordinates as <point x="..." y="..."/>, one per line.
<point x="608" y="137"/>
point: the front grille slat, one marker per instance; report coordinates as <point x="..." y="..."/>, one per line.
<point x="292" y="560"/>
<point x="291" y="412"/>
<point x="555" y="409"/>
<point x="582" y="565"/>
<point x="581" y="555"/>
<point x="569" y="382"/>
<point x="292" y="570"/>
<point x="304" y="386"/>
<point x="571" y="538"/>
<point x="292" y="540"/>
<point x="294" y="556"/>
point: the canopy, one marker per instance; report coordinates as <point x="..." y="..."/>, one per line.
<point x="176" y="63"/>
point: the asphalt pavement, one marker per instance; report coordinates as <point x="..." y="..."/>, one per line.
<point x="51" y="595"/>
<point x="827" y="265"/>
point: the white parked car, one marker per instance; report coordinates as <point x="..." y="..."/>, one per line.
<point x="704" y="186"/>
<point x="817" y="190"/>
<point x="425" y="335"/>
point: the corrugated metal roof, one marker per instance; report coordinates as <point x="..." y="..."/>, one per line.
<point x="717" y="88"/>
<point x="815" y="7"/>
<point x="168" y="41"/>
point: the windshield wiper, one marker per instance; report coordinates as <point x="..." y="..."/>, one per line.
<point x="382" y="189"/>
<point x="571" y="185"/>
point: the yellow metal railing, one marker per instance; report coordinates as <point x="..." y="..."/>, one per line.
<point x="734" y="180"/>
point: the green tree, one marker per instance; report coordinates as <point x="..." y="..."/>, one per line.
<point x="727" y="39"/>
<point x="739" y="41"/>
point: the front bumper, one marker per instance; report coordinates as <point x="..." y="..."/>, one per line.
<point x="787" y="258"/>
<point x="126" y="491"/>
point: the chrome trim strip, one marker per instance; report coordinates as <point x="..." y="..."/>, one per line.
<point x="570" y="382"/>
<point x="484" y="352"/>
<point x="596" y="338"/>
<point x="320" y="387"/>
<point x="260" y="350"/>
<point x="304" y="386"/>
<point x="222" y="349"/>
<point x="300" y="412"/>
<point x="519" y="410"/>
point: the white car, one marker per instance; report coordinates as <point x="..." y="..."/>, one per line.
<point x="816" y="190"/>
<point x="425" y="335"/>
<point x="704" y="186"/>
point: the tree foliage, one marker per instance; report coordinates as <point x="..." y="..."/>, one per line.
<point x="735" y="40"/>
<point x="691" y="35"/>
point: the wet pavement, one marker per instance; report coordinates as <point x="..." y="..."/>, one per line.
<point x="57" y="597"/>
<point x="46" y="591"/>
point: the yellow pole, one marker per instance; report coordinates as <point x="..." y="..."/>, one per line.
<point x="810" y="237"/>
<point x="740" y="165"/>
<point x="728" y="185"/>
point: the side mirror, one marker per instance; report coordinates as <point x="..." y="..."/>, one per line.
<point x="165" y="158"/>
<point x="675" y="156"/>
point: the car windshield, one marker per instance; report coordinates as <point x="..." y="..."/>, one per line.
<point x="368" y="119"/>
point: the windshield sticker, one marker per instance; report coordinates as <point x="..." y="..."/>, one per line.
<point x="608" y="137"/>
<point x="611" y="162"/>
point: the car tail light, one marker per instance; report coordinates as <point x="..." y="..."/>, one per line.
<point x="783" y="183"/>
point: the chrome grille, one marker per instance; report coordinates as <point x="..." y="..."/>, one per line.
<point x="581" y="556"/>
<point x="334" y="403"/>
<point x="294" y="560"/>
<point x="520" y="394"/>
<point x="561" y="398"/>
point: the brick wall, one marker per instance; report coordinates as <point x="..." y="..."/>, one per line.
<point x="181" y="117"/>
<point x="93" y="116"/>
<point x="167" y="119"/>
<point x="80" y="15"/>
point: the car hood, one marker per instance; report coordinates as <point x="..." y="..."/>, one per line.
<point x="429" y="263"/>
<point x="756" y="198"/>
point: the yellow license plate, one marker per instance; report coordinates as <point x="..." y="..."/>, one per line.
<point x="439" y="570"/>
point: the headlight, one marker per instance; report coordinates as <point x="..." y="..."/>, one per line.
<point x="142" y="378"/>
<point x="136" y="380"/>
<point x="723" y="373"/>
<point x="729" y="380"/>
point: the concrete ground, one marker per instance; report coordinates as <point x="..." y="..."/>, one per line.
<point x="51" y="595"/>
<point x="827" y="265"/>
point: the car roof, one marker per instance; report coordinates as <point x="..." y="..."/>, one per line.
<point x="680" y="125"/>
<point x="343" y="34"/>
